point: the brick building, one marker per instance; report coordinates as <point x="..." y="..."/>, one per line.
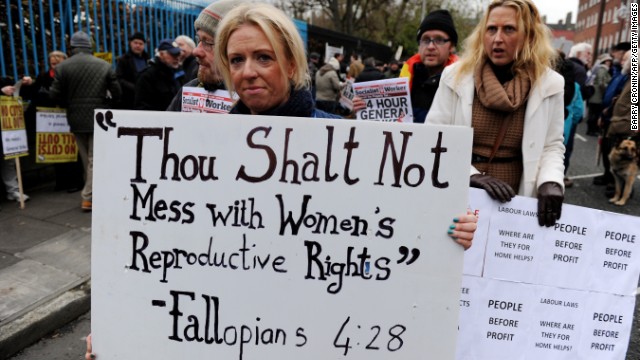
<point x="563" y="33"/>
<point x="614" y="28"/>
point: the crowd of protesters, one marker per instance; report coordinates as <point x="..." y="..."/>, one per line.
<point x="523" y="98"/>
<point x="144" y="82"/>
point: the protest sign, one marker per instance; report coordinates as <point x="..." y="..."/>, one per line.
<point x="12" y="126"/>
<point x="331" y="51"/>
<point x="387" y="100"/>
<point x="106" y="56"/>
<point x="54" y="141"/>
<point x="195" y="99"/>
<point x="240" y="237"/>
<point x="346" y="96"/>
<point x="564" y="292"/>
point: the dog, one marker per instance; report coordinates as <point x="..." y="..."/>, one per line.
<point x="624" y="166"/>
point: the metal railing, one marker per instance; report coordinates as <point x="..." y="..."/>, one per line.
<point x="33" y="28"/>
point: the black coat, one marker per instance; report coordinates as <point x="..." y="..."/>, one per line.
<point x="127" y="76"/>
<point x="82" y="84"/>
<point x="190" y="66"/>
<point x="156" y="87"/>
<point x="369" y="74"/>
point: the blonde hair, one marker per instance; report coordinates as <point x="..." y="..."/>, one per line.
<point x="57" y="55"/>
<point x="281" y="33"/>
<point x="536" y="55"/>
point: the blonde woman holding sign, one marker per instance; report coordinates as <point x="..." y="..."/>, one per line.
<point x="504" y="87"/>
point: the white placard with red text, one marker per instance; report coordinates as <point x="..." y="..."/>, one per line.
<point x="387" y="100"/>
<point x="196" y="99"/>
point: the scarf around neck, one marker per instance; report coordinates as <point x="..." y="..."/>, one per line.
<point x="496" y="96"/>
<point x="299" y="104"/>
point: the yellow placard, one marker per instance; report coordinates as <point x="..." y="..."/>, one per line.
<point x="12" y="127"/>
<point x="106" y="56"/>
<point x="56" y="148"/>
<point x="11" y="113"/>
<point x="54" y="142"/>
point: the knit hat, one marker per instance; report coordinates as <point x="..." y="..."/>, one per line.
<point x="80" y="39"/>
<point x="137" y="36"/>
<point x="210" y="16"/>
<point x="439" y="20"/>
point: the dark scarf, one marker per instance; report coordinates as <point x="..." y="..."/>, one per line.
<point x="299" y="104"/>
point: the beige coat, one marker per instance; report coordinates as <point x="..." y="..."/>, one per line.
<point x="327" y="84"/>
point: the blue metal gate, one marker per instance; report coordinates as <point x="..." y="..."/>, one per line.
<point x="33" y="28"/>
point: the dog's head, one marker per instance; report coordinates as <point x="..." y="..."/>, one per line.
<point x="627" y="149"/>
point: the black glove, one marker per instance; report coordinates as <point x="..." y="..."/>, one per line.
<point x="550" y="199"/>
<point x="496" y="188"/>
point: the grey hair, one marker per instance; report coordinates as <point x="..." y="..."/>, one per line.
<point x="578" y="48"/>
<point x="189" y="41"/>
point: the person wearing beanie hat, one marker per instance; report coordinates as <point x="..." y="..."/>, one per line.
<point x="439" y="20"/>
<point x="437" y="39"/>
<point x="205" y="25"/>
<point x="81" y="84"/>
<point x="129" y="66"/>
<point x="81" y="39"/>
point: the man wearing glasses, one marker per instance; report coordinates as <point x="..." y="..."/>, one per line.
<point x="206" y="24"/>
<point x="437" y="40"/>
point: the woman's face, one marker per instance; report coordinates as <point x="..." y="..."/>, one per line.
<point x="53" y="62"/>
<point x="255" y="72"/>
<point x="502" y="38"/>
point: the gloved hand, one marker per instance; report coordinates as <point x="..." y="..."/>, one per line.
<point x="496" y="188"/>
<point x="550" y="199"/>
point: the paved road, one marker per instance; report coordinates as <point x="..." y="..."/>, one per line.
<point x="68" y="342"/>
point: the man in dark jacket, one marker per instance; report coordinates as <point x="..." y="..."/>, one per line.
<point x="370" y="71"/>
<point x="82" y="84"/>
<point x="160" y="81"/>
<point x="187" y="59"/>
<point x="128" y="68"/>
<point x="580" y="54"/>
<point x="437" y="39"/>
<point x="208" y="76"/>
<point x="393" y="71"/>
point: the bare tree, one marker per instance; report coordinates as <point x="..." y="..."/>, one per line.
<point x="383" y="21"/>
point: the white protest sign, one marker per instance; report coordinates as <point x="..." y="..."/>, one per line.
<point x="196" y="99"/>
<point x="239" y="237"/>
<point x="564" y="292"/>
<point x="331" y="51"/>
<point x="386" y="100"/>
<point x="52" y="120"/>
